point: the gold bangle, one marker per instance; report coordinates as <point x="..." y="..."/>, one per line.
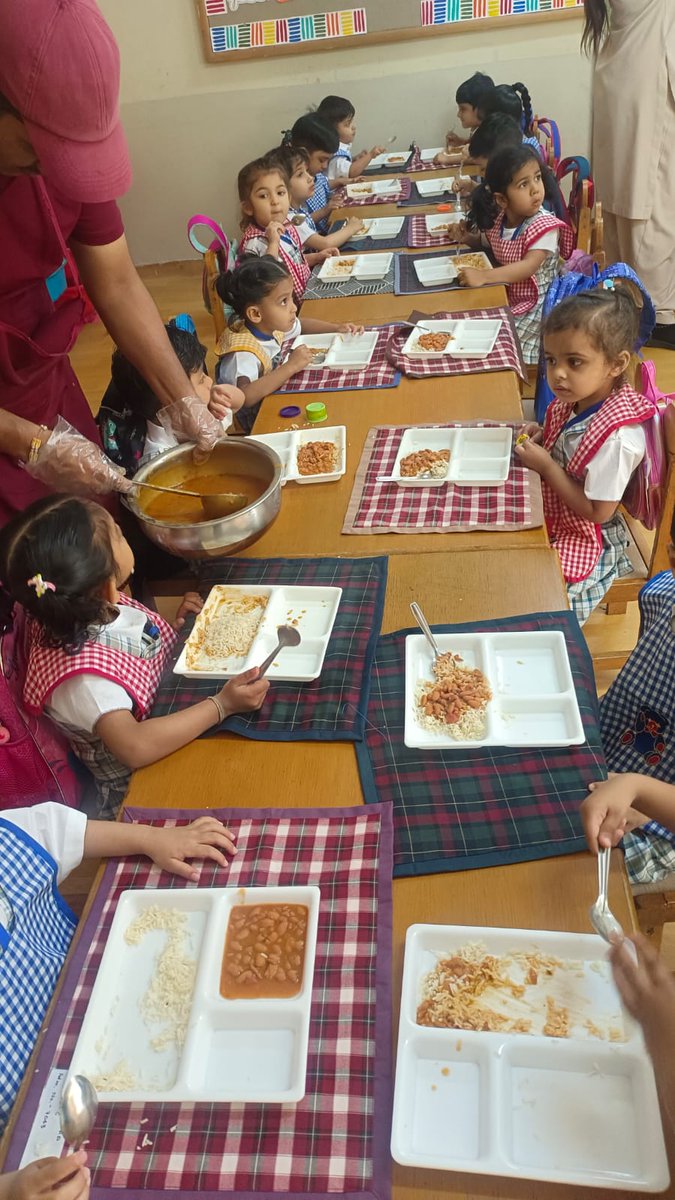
<point x="36" y="445"/>
<point x="219" y="707"/>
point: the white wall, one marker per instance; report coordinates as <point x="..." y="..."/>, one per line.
<point x="191" y="125"/>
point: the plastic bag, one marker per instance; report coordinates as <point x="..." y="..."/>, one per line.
<point x="69" y="462"/>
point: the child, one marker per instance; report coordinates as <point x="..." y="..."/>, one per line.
<point x="493" y="134"/>
<point x="339" y="114"/>
<point x="39" y="847"/>
<point x="127" y="416"/>
<point x="321" y="143"/>
<point x="95" y="658"/>
<point x="295" y="162"/>
<point x="522" y="236"/>
<point x="514" y="100"/>
<point x="265" y="203"/>
<point x="260" y="291"/>
<point x="592" y="438"/>
<point x="469" y="97"/>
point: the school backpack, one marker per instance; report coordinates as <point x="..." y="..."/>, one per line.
<point x="582" y="188"/>
<point x="645" y="493"/>
<point x="570" y="283"/>
<point x="219" y="251"/>
<point x="548" y="134"/>
<point x="35" y="764"/>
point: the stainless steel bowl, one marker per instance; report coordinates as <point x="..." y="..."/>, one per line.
<point x="214" y="538"/>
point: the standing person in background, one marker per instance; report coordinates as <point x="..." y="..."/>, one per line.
<point x="634" y="141"/>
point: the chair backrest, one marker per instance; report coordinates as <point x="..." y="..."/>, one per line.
<point x="546" y="130"/>
<point x="219" y="255"/>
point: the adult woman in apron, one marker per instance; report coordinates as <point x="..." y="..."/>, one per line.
<point x="634" y="142"/>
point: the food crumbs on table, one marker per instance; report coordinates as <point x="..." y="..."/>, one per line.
<point x="144" y="1121"/>
<point x="173" y="1129"/>
<point x="146" y="1142"/>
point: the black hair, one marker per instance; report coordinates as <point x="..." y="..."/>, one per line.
<point x="335" y="109"/>
<point x="512" y="99"/>
<point x="495" y="131"/>
<point x="610" y="317"/>
<point x="313" y="133"/>
<point x="500" y="170"/>
<point x="68" y="542"/>
<point x="250" y="282"/>
<point x="474" y="90"/>
<point x="134" y="392"/>
<point x="289" y="156"/>
<point x="596" y="25"/>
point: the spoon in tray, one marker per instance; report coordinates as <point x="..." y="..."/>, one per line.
<point x="77" y="1110"/>
<point x="425" y="627"/>
<point x="288" y="635"/>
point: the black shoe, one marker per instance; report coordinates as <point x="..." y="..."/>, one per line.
<point x="663" y="337"/>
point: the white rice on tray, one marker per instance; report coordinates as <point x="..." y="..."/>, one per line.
<point x="227" y="630"/>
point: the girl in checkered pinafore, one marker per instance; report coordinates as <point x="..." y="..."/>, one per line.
<point x="525" y="239"/>
<point x="95" y="657"/>
<point x="263" y="192"/>
<point x="593" y="439"/>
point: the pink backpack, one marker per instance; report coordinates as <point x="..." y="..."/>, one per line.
<point x="34" y="762"/>
<point x="644" y="496"/>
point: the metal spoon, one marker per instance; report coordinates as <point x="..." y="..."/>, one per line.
<point x="288" y="635"/>
<point x="416" y="325"/>
<point x="602" y="919"/>
<point x="424" y="626"/>
<point x="77" y="1110"/>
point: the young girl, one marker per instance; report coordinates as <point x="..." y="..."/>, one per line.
<point x="592" y="439"/>
<point x="263" y="192"/>
<point x="321" y="142"/>
<point x="522" y="236"/>
<point x="295" y="162"/>
<point x="514" y="100"/>
<point x="469" y="97"/>
<point x="260" y="291"/>
<point x="339" y="113"/>
<point x="493" y="134"/>
<point x="95" y="658"/>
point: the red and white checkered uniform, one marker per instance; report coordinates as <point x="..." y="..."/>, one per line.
<point x="290" y="254"/>
<point x="48" y="667"/>
<point x="524" y="295"/>
<point x="577" y="539"/>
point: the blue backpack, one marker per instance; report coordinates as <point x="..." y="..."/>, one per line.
<point x="570" y="284"/>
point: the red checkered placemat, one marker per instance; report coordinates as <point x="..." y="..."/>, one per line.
<point x="419" y="237"/>
<point x="387" y="508"/>
<point x="335" y="1140"/>
<point x="505" y="356"/>
<point x="380" y="372"/>
<point x="346" y="201"/>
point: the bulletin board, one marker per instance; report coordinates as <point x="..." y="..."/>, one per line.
<point x="236" y="29"/>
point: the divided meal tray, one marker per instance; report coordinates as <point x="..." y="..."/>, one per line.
<point x="355" y="266"/>
<point x="373" y="187"/>
<point x="579" y="1110"/>
<point x="429" y="154"/>
<point x="379" y="227"/>
<point x="479" y="456"/>
<point x="435" y="187"/>
<point x="534" y="701"/>
<point x="340" y="351"/>
<point x="432" y="271"/>
<point x="393" y="158"/>
<point x="469" y="338"/>
<point x="311" y="609"/>
<point x="287" y="444"/>
<point x="234" y="1050"/>
<point x="437" y="223"/>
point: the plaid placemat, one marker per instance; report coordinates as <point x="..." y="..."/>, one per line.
<point x="380" y="372"/>
<point x="387" y="508"/>
<point x="370" y="243"/>
<point x="329" y="708"/>
<point x="417" y="163"/>
<point x="505" y="356"/>
<point x="406" y="282"/>
<point x="419" y="237"/>
<point x="346" y="201"/>
<point x="327" y="289"/>
<point x="391" y="170"/>
<point x="484" y="807"/>
<point x="335" y="1140"/>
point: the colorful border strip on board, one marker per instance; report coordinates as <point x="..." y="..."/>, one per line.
<point x="443" y="12"/>
<point x="254" y="35"/>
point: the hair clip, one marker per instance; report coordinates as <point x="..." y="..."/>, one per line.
<point x="608" y="285"/>
<point x="41" y="585"/>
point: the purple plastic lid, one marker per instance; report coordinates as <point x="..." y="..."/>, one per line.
<point x="291" y="410"/>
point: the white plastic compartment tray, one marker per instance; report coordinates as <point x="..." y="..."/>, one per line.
<point x="286" y="445"/>
<point x="373" y="187"/>
<point x="344" y="351"/>
<point x="380" y="227"/>
<point x="234" y="1050"/>
<point x="471" y="338"/>
<point x="435" y="187"/>
<point x="363" y="266"/>
<point x="430" y="154"/>
<point x="433" y="271"/>
<point x="393" y="158"/>
<point x="479" y="457"/>
<point x="314" y="609"/>
<point x="436" y="222"/>
<point x="578" y="1110"/>
<point x="534" y="702"/>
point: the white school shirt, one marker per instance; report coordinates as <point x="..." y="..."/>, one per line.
<point x="243" y="365"/>
<point x="548" y="241"/>
<point x="78" y="703"/>
<point x="340" y="165"/>
<point x="307" y="228"/>
<point x="157" y="438"/>
<point x="58" y="829"/>
<point x="609" y="471"/>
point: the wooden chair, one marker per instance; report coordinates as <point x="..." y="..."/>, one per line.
<point x="655" y="906"/>
<point x="648" y="554"/>
<point x="211" y="273"/>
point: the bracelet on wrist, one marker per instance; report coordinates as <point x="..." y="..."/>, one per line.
<point x="36" y="444"/>
<point x="215" y="700"/>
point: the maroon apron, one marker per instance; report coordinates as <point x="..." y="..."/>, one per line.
<point x="39" y="323"/>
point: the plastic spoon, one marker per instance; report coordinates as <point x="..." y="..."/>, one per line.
<point x="288" y="635"/>
<point x="424" y="626"/>
<point x="77" y="1110"/>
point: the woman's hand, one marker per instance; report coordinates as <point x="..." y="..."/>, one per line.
<point x="606" y="812"/>
<point x="471" y="277"/>
<point x="171" y="848"/>
<point x="244" y="693"/>
<point x="69" y="462"/>
<point x="224" y="399"/>
<point x="62" y="1178"/>
<point x="189" y="420"/>
<point x="191" y="603"/>
<point x="533" y="456"/>
<point x="348" y="327"/>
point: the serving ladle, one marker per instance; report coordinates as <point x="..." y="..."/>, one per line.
<point x="77" y="1110"/>
<point x="217" y="505"/>
<point x="288" y="635"/>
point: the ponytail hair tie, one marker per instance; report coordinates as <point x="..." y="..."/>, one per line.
<point x="608" y="285"/>
<point x="41" y="585"/>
